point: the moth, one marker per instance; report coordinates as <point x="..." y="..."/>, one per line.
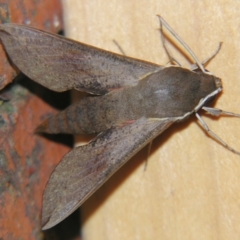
<point x="132" y="101"/>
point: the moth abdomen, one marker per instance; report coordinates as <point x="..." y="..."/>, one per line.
<point x="66" y="121"/>
<point x="88" y="116"/>
<point x="56" y="124"/>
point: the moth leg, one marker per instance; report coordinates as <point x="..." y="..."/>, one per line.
<point x="213" y="135"/>
<point x="206" y="61"/>
<point x="148" y="153"/>
<point x="192" y="54"/>
<point x="119" y="47"/>
<point x="217" y="112"/>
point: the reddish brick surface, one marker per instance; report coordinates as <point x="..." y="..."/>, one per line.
<point x="26" y="162"/>
<point x="43" y="14"/>
<point x="26" y="159"/>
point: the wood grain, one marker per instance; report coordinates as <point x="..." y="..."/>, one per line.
<point x="191" y="188"/>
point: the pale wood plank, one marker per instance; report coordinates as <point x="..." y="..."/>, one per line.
<point x="191" y="189"/>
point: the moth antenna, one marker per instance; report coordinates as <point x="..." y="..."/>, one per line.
<point x="148" y="153"/>
<point x="199" y="64"/>
<point x="213" y="55"/>
<point x="170" y="56"/>
<point x="206" y="61"/>
<point x="119" y="47"/>
<point x="212" y="134"/>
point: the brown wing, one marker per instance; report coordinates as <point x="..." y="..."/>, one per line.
<point x="60" y="64"/>
<point x="84" y="169"/>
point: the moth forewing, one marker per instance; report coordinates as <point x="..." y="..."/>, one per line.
<point x="89" y="166"/>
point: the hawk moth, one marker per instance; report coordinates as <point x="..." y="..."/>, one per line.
<point x="132" y="101"/>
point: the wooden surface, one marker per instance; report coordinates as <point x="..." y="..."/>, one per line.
<point x="191" y="188"/>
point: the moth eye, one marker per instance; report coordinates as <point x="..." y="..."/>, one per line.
<point x="209" y="101"/>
